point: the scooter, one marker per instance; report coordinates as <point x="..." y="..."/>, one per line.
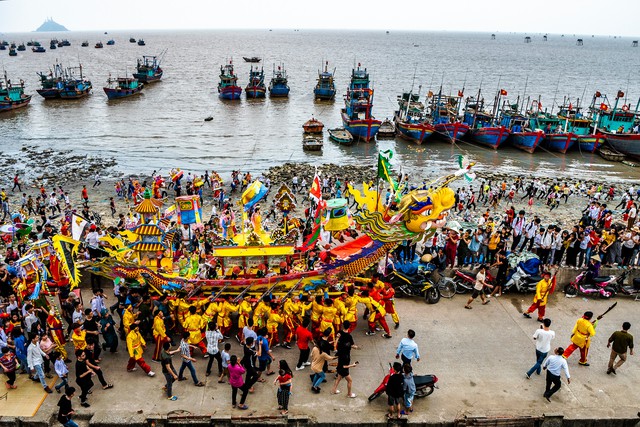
<point x="606" y="286"/>
<point x="633" y="290"/>
<point x="465" y="280"/>
<point x="425" y="384"/>
<point x="521" y="281"/>
<point x="416" y="285"/>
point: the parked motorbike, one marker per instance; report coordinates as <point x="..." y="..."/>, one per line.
<point x="415" y="285"/>
<point x="425" y="384"/>
<point x="605" y="286"/>
<point x="631" y="290"/>
<point x="465" y="280"/>
<point x="521" y="281"/>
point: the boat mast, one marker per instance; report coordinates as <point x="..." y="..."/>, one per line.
<point x="526" y="82"/>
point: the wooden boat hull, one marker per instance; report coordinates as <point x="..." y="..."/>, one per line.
<point x="610" y="155"/>
<point x="560" y="142"/>
<point x="625" y="143"/>
<point x="49" y="93"/>
<point x="118" y="93"/>
<point x="279" y="91"/>
<point x="324" y="93"/>
<point x="589" y="143"/>
<point x="451" y="131"/>
<point x="364" y="130"/>
<point x="14" y="105"/>
<point x="230" y="92"/>
<point x="146" y="78"/>
<point x="75" y="94"/>
<point x="341" y="136"/>
<point x="527" y="141"/>
<point x="415" y="132"/>
<point x="255" y="91"/>
<point x="490" y="136"/>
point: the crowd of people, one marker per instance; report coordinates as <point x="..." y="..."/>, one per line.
<point x="35" y="341"/>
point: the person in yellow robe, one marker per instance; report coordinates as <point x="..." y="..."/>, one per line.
<point x="341" y="311"/>
<point x="159" y="335"/>
<point x="328" y="316"/>
<point x="135" y="346"/>
<point x="128" y="318"/>
<point x="351" y="305"/>
<point x="543" y="288"/>
<point x="244" y="314"/>
<point x="224" y="316"/>
<point x="79" y="339"/>
<point x="261" y="312"/>
<point x="194" y="323"/>
<point x="316" y="313"/>
<point x="290" y="311"/>
<point x="581" y="337"/>
<point x="274" y="320"/>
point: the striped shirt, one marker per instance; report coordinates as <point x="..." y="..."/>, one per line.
<point x="185" y="350"/>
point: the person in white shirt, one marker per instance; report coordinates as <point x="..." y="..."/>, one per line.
<point x="35" y="361"/>
<point x="542" y="337"/>
<point x="478" y="288"/>
<point x="554" y="366"/>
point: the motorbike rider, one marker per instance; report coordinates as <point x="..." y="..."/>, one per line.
<point x="543" y="289"/>
<point x="593" y="269"/>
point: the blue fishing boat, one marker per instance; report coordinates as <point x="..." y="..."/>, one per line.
<point x="520" y="135"/>
<point x="21" y="47"/>
<point x="616" y="123"/>
<point x="63" y="83"/>
<point x="325" y="87"/>
<point x="148" y="69"/>
<point x="411" y="120"/>
<point x="141" y="42"/>
<point x="357" y="117"/>
<point x="38" y="49"/>
<point x="12" y="96"/>
<point x="278" y="86"/>
<point x="53" y="44"/>
<point x="122" y="87"/>
<point x="99" y="45"/>
<point x="444" y="112"/>
<point x="581" y="126"/>
<point x="483" y="129"/>
<point x="256" y="87"/>
<point x="556" y="138"/>
<point x="228" y="87"/>
<point x="13" y="52"/>
<point x="111" y="42"/>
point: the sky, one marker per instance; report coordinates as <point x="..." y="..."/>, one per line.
<point x="542" y="16"/>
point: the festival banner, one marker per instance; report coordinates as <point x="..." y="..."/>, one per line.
<point x="67" y="249"/>
<point x="78" y="226"/>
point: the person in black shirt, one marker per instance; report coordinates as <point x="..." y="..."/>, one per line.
<point x="83" y="377"/>
<point x="395" y="390"/>
<point x="66" y="410"/>
<point x="248" y="362"/>
<point x="325" y="347"/>
<point x="93" y="365"/>
<point x="168" y="370"/>
<point x="343" y="346"/>
<point x="90" y="326"/>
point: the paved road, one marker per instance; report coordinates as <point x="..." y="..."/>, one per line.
<point x="479" y="355"/>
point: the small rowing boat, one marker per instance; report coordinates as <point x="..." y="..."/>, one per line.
<point x="341" y="136"/>
<point x="607" y="154"/>
<point x="312" y="143"/>
<point x="313" y="125"/>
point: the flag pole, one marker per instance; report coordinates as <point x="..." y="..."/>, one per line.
<point x="378" y="183"/>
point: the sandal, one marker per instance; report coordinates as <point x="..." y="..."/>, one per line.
<point x="262" y="380"/>
<point x="284" y="412"/>
<point x="243" y="407"/>
<point x="108" y="386"/>
<point x="486" y="302"/>
<point x="335" y="392"/>
<point x="352" y="395"/>
<point x="468" y="307"/>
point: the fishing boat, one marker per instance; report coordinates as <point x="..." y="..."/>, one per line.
<point x="555" y="138"/>
<point x="581" y="127"/>
<point x="325" y="87"/>
<point x="21" y="47"/>
<point x="357" y="115"/>
<point x="387" y="129"/>
<point x="3" y="46"/>
<point x="253" y="59"/>
<point x="132" y="39"/>
<point x="313" y="125"/>
<point x="411" y="118"/>
<point x="99" y="45"/>
<point x="122" y="87"/>
<point x="228" y="87"/>
<point x="63" y="83"/>
<point x="65" y="42"/>
<point x="483" y="128"/>
<point x="38" y="49"/>
<point x="278" y="86"/>
<point x="53" y="44"/>
<point x="111" y="42"/>
<point x="13" y="52"/>
<point x="609" y="155"/>
<point x="256" y="87"/>
<point x="624" y="143"/>
<point x="520" y="135"/>
<point x="12" y="96"/>
<point x="341" y="136"/>
<point x="141" y="42"/>
<point x="148" y="69"/>
<point x="312" y="143"/>
<point x="444" y="112"/>
<point x="85" y="44"/>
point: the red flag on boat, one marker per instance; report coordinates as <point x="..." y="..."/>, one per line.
<point x="598" y="94"/>
<point x="620" y="94"/>
<point x="539" y="105"/>
<point x="315" y="192"/>
<point x="570" y="106"/>
<point x="503" y="92"/>
<point x="604" y="107"/>
<point x="460" y="93"/>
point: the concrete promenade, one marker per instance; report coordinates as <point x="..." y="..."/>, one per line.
<point x="479" y="355"/>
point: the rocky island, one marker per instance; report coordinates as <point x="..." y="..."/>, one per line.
<point x="51" y="25"/>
